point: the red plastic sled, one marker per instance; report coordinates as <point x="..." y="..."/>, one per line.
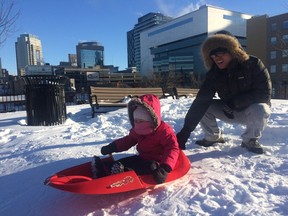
<point x="78" y="179"/>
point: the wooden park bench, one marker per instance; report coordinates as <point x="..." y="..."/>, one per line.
<point x="177" y="93"/>
<point x="106" y="99"/>
<point x="185" y="92"/>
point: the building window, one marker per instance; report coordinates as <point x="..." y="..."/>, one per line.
<point x="285" y="24"/>
<point x="273" y="69"/>
<point x="284" y="53"/>
<point x="38" y="59"/>
<point x="285" y="68"/>
<point x="273" y="27"/>
<point x="236" y="19"/>
<point x="285" y="38"/>
<point x="273" y="40"/>
<point x="172" y="26"/>
<point x="273" y="55"/>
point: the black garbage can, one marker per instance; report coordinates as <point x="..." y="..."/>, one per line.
<point x="45" y="100"/>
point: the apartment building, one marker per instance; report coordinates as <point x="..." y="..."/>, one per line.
<point x="267" y="38"/>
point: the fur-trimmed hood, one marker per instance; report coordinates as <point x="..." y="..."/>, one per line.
<point x="149" y="102"/>
<point x="229" y="42"/>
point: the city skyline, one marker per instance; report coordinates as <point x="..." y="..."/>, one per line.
<point x="106" y="22"/>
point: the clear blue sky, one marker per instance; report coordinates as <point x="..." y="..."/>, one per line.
<point x="60" y="24"/>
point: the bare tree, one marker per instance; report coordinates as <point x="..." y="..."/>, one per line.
<point x="282" y="44"/>
<point x="8" y="17"/>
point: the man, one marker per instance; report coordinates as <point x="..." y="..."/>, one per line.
<point x="243" y="85"/>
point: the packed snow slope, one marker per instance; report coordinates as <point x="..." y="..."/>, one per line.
<point x="224" y="179"/>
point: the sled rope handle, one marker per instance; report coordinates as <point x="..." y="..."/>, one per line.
<point x="58" y="179"/>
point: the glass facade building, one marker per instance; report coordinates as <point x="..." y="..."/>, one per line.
<point x="89" y="55"/>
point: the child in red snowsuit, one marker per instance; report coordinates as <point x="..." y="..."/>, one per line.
<point x="154" y="139"/>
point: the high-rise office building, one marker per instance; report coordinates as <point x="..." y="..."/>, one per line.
<point x="89" y="54"/>
<point x="28" y="52"/>
<point x="72" y="59"/>
<point x="133" y="36"/>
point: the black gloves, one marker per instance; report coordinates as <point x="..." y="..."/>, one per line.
<point x="109" y="149"/>
<point x="160" y="172"/>
<point x="182" y="138"/>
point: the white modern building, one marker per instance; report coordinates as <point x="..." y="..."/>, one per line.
<point x="175" y="45"/>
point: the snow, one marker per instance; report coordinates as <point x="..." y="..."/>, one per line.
<point x="224" y="179"/>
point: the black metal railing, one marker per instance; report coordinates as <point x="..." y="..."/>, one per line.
<point x="12" y="102"/>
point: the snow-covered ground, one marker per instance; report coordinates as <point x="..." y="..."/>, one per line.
<point x="223" y="180"/>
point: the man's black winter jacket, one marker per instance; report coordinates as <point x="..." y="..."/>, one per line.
<point x="241" y="85"/>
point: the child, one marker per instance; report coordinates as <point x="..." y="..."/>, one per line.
<point x="154" y="139"/>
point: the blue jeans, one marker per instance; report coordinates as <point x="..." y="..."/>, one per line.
<point x="254" y="117"/>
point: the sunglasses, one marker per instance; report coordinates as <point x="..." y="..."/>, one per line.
<point x="217" y="54"/>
